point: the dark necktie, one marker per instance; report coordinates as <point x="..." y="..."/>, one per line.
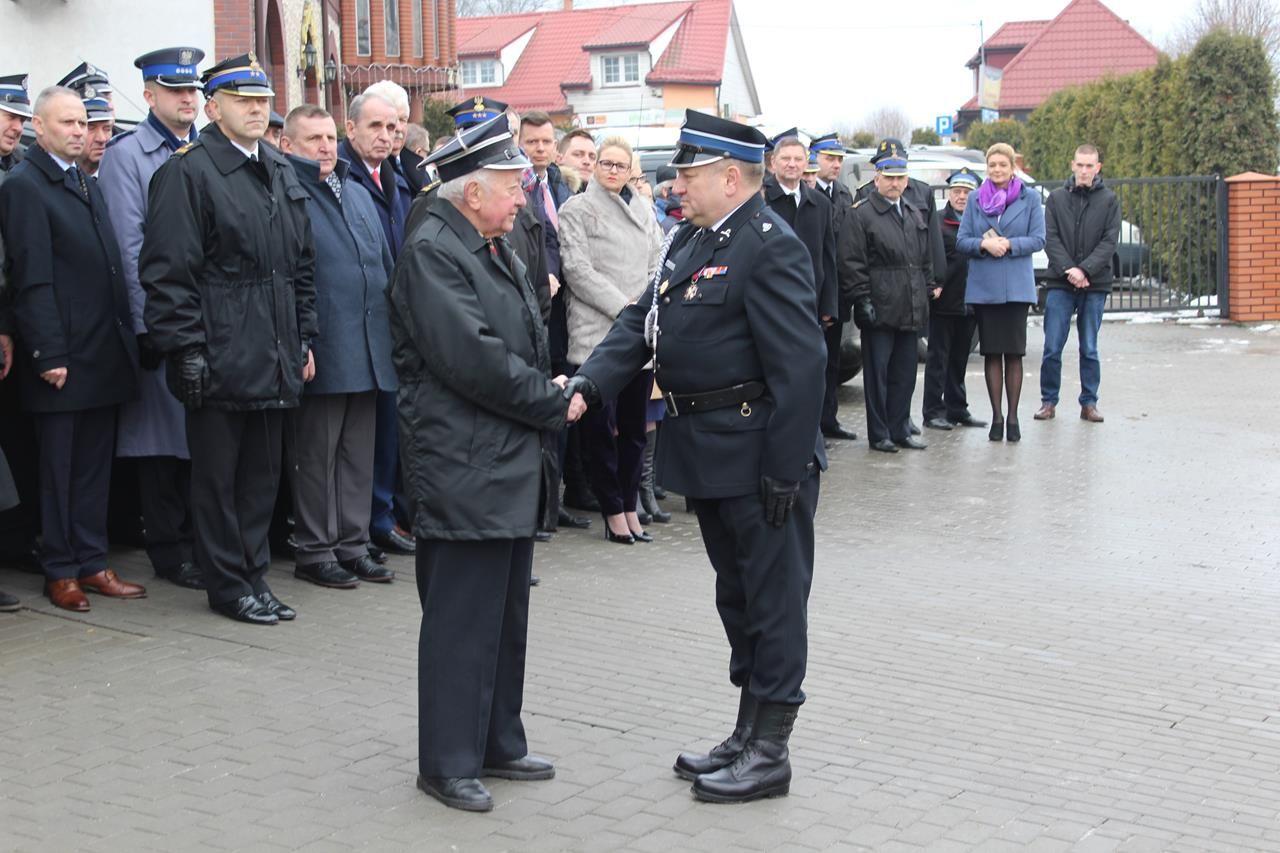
<point x="335" y="184"/>
<point x="79" y="176"/>
<point x="260" y="169"/>
<point x="831" y="191"/>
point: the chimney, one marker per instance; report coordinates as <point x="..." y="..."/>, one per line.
<point x="568" y="5"/>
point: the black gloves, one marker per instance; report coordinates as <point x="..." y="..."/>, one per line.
<point x="580" y="384"/>
<point x="148" y="356"/>
<point x="188" y="376"/>
<point x="778" y="497"/>
<point x="864" y="314"/>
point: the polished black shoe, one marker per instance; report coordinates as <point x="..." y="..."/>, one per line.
<point x="186" y="575"/>
<point x="466" y="794"/>
<point x="691" y="765"/>
<point x="642" y="536"/>
<point x="9" y="603"/>
<point x="531" y="768"/>
<point x="246" y="608"/>
<point x="367" y="570"/>
<point x="377" y="554"/>
<point x="1012" y="432"/>
<point x="997" y="430"/>
<point x="618" y="539"/>
<point x="393" y="542"/>
<point x="840" y="432"/>
<point x="884" y="445"/>
<point x="911" y="443"/>
<point x="939" y="423"/>
<point x="276" y="607"/>
<point x="585" y="501"/>
<point x="568" y="519"/>
<point x="542" y="536"/>
<point x="968" y="420"/>
<point x="762" y="769"/>
<point x="328" y="574"/>
<point x="911" y="426"/>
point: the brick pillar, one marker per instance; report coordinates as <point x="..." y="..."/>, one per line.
<point x="233" y="28"/>
<point x="1253" y="247"/>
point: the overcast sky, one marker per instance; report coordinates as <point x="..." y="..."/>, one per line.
<point x="822" y="64"/>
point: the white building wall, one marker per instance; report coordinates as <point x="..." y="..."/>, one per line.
<point x="47" y="39"/>
<point x="609" y="99"/>
<point x="735" y="91"/>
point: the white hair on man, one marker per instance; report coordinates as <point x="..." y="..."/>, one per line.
<point x="455" y="190"/>
<point x="391" y="92"/>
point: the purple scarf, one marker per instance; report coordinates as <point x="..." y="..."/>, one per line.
<point x="994" y="200"/>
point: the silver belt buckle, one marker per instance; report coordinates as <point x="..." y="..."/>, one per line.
<point x="670" y="400"/>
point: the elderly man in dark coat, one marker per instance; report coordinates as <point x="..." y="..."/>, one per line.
<point x="80" y="359"/>
<point x="477" y="416"/>
<point x="333" y="429"/>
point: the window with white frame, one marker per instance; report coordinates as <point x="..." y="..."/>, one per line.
<point x="621" y="70"/>
<point x="417" y="28"/>
<point x="480" y="72"/>
<point x="364" y="45"/>
<point x="391" y="22"/>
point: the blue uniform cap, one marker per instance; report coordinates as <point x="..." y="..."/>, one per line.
<point x="828" y="144"/>
<point x="812" y="165"/>
<point x="793" y="133"/>
<point x="98" y="109"/>
<point x="890" y="158"/>
<point x="13" y="95"/>
<point x="477" y="110"/>
<point x="706" y="139"/>
<point x="484" y="146"/>
<point x="87" y="80"/>
<point x="239" y="75"/>
<point x="963" y="178"/>
<point x="173" y="67"/>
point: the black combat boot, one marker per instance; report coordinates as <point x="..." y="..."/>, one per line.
<point x="762" y="769"/>
<point x="690" y="765"/>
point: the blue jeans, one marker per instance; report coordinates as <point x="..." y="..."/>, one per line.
<point x="1059" y="305"/>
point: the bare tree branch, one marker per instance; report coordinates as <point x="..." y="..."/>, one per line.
<point x="475" y="8"/>
<point x="1260" y="18"/>
<point x="887" y="121"/>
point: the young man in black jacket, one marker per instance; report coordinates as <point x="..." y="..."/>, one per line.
<point x="1082" y="227"/>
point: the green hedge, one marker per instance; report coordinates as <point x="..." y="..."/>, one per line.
<point x="1211" y="110"/>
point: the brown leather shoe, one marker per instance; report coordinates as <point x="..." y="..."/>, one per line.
<point x="108" y="583"/>
<point x="1090" y="414"/>
<point x="67" y="594"/>
<point x="1046" y="413"/>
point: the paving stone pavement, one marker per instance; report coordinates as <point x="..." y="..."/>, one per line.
<point x="1067" y="644"/>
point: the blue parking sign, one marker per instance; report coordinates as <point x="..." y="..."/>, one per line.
<point x="942" y="124"/>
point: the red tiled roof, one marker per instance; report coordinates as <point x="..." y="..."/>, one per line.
<point x="557" y="55"/>
<point x="1013" y="35"/>
<point x="1086" y="41"/>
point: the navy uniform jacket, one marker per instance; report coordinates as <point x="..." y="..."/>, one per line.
<point x="815" y="226"/>
<point x="69" y="295"/>
<point x="921" y="194"/>
<point x="750" y="316"/>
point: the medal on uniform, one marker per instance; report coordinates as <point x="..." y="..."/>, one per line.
<point x="691" y="292"/>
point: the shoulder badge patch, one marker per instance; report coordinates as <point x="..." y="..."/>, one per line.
<point x="184" y="149"/>
<point x="860" y="202"/>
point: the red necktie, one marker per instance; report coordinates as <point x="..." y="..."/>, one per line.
<point x="377" y="178"/>
<point x="549" y="204"/>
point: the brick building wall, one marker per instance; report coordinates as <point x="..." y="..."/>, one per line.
<point x="233" y="28"/>
<point x="1253" y="247"/>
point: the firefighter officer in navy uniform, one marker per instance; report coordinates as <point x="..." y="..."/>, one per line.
<point x="740" y="356"/>
<point x="228" y="265"/>
<point x="887" y="259"/>
<point x="828" y="151"/>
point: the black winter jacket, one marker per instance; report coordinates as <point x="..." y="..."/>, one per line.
<point x="951" y="302"/>
<point x="228" y="264"/>
<point x="1082" y="228"/>
<point x="890" y="262"/>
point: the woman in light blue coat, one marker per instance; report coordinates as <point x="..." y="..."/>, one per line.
<point x="1001" y="229"/>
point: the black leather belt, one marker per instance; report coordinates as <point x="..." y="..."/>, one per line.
<point x="706" y="401"/>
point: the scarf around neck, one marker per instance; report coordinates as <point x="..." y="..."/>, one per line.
<point x="994" y="200"/>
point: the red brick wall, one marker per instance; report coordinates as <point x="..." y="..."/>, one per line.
<point x="448" y="14"/>
<point x="1253" y="247"/>
<point x="233" y="30"/>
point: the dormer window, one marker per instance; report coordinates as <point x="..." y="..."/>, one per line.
<point x="480" y="72"/>
<point x="621" y="69"/>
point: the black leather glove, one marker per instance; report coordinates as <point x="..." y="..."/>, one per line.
<point x="864" y="314"/>
<point x="148" y="356"/>
<point x="579" y="384"/>
<point x="778" y="497"/>
<point x="191" y="375"/>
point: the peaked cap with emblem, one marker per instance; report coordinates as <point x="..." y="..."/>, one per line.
<point x="793" y="133"/>
<point x="485" y="146"/>
<point x="964" y="177"/>
<point x="828" y="144"/>
<point x="98" y="109"/>
<point x="13" y="95"/>
<point x="239" y="75"/>
<point x="172" y="67"/>
<point x="476" y="110"/>
<point x="890" y="158"/>
<point x="87" y="80"/>
<point x="812" y="165"/>
<point x="707" y="139"/>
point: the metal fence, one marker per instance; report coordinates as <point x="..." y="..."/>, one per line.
<point x="1172" y="253"/>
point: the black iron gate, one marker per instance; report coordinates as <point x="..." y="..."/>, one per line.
<point x="1172" y="253"/>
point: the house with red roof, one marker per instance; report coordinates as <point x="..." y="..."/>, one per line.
<point x="1024" y="62"/>
<point x="618" y="66"/>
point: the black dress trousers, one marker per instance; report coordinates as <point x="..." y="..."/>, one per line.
<point x="475" y="617"/>
<point x="830" y="402"/>
<point x="763" y="575"/>
<point x="950" y="336"/>
<point x="164" y="491"/>
<point x="235" y="472"/>
<point x="76" y="449"/>
<point x="888" y="381"/>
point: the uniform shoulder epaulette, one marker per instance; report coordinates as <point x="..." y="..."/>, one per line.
<point x="429" y="187"/>
<point x="184" y="149"/>
<point x="860" y="202"/>
<point x="125" y="135"/>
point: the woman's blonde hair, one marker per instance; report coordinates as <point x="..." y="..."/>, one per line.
<point x="1002" y="148"/>
<point x="616" y="142"/>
